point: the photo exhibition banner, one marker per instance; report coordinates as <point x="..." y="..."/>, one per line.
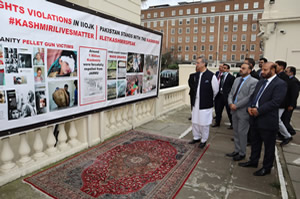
<point x="56" y="62"/>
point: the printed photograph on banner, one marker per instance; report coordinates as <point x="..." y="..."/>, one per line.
<point x="121" y="69"/>
<point x="20" y="103"/>
<point x="61" y="63"/>
<point x="151" y="65"/>
<point x="11" y="60"/>
<point x="111" y="69"/>
<point x="93" y="86"/>
<point x="1" y="56"/>
<point x="38" y="56"/>
<point x="134" y="84"/>
<point x="61" y="94"/>
<point x="149" y="83"/>
<point x="111" y="90"/>
<point x="2" y="75"/>
<point x="39" y="72"/>
<point x="135" y="62"/>
<point x="24" y="60"/>
<point x="40" y="99"/>
<point x="2" y="97"/>
<point x="121" y="88"/>
<point x="20" y="80"/>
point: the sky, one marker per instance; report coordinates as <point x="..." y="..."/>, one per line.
<point x="148" y="3"/>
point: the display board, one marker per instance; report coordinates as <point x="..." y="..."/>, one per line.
<point x="60" y="61"/>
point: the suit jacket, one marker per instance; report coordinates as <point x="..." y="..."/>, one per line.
<point x="268" y="104"/>
<point x="193" y="87"/>
<point x="293" y="92"/>
<point x="253" y="74"/>
<point x="243" y="95"/>
<point x="285" y="78"/>
<point x="227" y="85"/>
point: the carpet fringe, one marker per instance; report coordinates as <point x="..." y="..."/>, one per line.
<point x="37" y="190"/>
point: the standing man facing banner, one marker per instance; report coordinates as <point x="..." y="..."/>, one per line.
<point x="205" y="89"/>
<point x="238" y="100"/>
<point x="263" y="108"/>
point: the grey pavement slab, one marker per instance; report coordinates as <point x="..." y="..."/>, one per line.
<point x="291" y="158"/>
<point x="296" y="186"/>
<point x="294" y="172"/>
<point x="238" y="193"/>
<point x="292" y="148"/>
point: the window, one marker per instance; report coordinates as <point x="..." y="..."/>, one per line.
<point x="235" y="18"/>
<point x="252" y="56"/>
<point x="173" y="22"/>
<point x="179" y="57"/>
<point x="243" y="47"/>
<point x="180" y="21"/>
<point x="253" y="37"/>
<point x="162" y="14"/>
<point x="225" y="37"/>
<point x="252" y="47"/>
<point x="212" y="19"/>
<point x="242" y="57"/>
<point x="149" y="15"/>
<point x="236" y="6"/>
<point x="154" y="24"/>
<point x="235" y="28"/>
<point x="194" y="57"/>
<point x="195" y="20"/>
<point x="148" y="24"/>
<point x="213" y="8"/>
<point x="172" y="39"/>
<point x="227" y="7"/>
<point x="245" y="17"/>
<point x="244" y="27"/>
<point x="187" y="30"/>
<point x="173" y="12"/>
<point x="254" y="27"/>
<point x="196" y="10"/>
<point x="161" y="23"/>
<point x="180" y="31"/>
<point x="233" y="57"/>
<point x="224" y="57"/>
<point x="172" y="48"/>
<point x="187" y="48"/>
<point x="226" y="18"/>
<point x="180" y="12"/>
<point x="143" y="16"/>
<point x="155" y="14"/>
<point x="186" y="57"/>
<point x="211" y="29"/>
<point x="195" y="29"/>
<point x="179" y="48"/>
<point x="210" y="57"/>
<point x="187" y="39"/>
<point x="203" y="29"/>
<point x="211" y="47"/>
<point x="202" y="47"/>
<point x="204" y="9"/>
<point x="188" y="11"/>
<point x="233" y="47"/>
<point x="211" y="38"/>
<point x="179" y="39"/>
<point x="243" y="37"/>
<point x="234" y="37"/>
<point x="195" y="39"/>
<point x="203" y="20"/>
<point x="254" y="18"/>
<point x="225" y="47"/>
<point x="188" y="21"/>
<point x="246" y="6"/>
<point x="203" y="38"/>
<point x="255" y="5"/>
<point x="226" y="28"/>
<point x="195" y="48"/>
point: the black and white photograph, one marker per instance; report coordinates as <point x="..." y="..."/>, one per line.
<point x="11" y="60"/>
<point x="24" y="60"/>
<point x="40" y="99"/>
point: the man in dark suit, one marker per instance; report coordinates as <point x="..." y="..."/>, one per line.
<point x="263" y="110"/>
<point x="262" y="61"/>
<point x="226" y="82"/>
<point x="286" y="136"/>
<point x="192" y="87"/>
<point x="292" y="96"/>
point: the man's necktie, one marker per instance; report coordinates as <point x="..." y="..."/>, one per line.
<point x="259" y="92"/>
<point x="237" y="90"/>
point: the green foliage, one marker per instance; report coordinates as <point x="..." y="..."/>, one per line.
<point x="173" y="66"/>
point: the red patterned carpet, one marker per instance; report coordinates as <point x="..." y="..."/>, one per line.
<point x="132" y="165"/>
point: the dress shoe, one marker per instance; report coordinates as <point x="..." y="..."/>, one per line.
<point x="293" y="133"/>
<point x="232" y="139"/>
<point x="248" y="164"/>
<point x="193" y="141"/>
<point x="279" y="137"/>
<point x="286" y="141"/>
<point x="232" y="154"/>
<point x="215" y="125"/>
<point x="238" y="157"/>
<point x="262" y="172"/>
<point x="202" y="145"/>
<point x="230" y="127"/>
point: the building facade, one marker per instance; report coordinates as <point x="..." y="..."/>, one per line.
<point x="222" y="31"/>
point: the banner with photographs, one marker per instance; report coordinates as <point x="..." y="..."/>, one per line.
<point x="59" y="62"/>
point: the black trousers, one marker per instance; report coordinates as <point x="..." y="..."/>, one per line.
<point x="221" y="102"/>
<point x="266" y="137"/>
<point x="286" y="119"/>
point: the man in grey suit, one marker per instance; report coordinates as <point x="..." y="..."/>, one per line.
<point x="238" y="100"/>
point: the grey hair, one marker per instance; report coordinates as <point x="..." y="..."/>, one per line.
<point x="205" y="61"/>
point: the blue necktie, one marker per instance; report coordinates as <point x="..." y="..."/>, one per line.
<point x="237" y="90"/>
<point x="260" y="92"/>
